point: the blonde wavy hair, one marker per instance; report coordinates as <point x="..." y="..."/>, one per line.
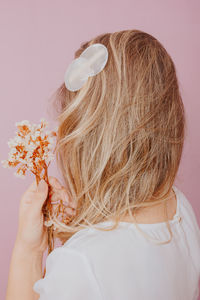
<point x="120" y="137"/>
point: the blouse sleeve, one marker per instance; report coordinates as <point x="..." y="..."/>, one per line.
<point x="68" y="276"/>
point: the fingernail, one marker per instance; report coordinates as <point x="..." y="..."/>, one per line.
<point x="57" y="184"/>
<point x="41" y="185"/>
<point x="70" y="211"/>
<point x="73" y="204"/>
<point x="67" y="199"/>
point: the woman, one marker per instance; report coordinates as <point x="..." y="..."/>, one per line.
<point x="121" y="138"/>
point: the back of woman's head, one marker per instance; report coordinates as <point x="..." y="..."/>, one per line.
<point x="120" y="137"/>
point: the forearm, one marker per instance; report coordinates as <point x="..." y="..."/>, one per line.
<point x="25" y="270"/>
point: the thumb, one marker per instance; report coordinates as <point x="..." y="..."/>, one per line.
<point x="42" y="186"/>
<point x="42" y="190"/>
<point x="35" y="195"/>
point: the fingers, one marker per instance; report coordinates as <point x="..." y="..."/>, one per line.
<point x="54" y="182"/>
<point x="37" y="193"/>
<point x="41" y="187"/>
<point x="33" y="186"/>
<point x="60" y="195"/>
<point x="64" y="196"/>
<point x="60" y="192"/>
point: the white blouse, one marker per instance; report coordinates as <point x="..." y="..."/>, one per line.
<point x="124" y="265"/>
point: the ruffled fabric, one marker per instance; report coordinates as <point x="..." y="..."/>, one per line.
<point x="68" y="276"/>
<point x="124" y="264"/>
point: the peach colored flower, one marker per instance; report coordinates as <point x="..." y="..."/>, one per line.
<point x="31" y="149"/>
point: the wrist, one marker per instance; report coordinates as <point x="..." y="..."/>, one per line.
<point x="24" y="250"/>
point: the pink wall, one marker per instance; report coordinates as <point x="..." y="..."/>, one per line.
<point x="38" y="39"/>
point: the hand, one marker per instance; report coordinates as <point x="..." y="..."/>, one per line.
<point x="32" y="234"/>
<point x="59" y="192"/>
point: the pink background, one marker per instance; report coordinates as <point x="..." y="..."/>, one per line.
<point x="38" y="40"/>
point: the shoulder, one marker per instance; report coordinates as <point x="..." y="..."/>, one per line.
<point x="100" y="245"/>
<point x="73" y="264"/>
<point x="67" y="269"/>
<point x="91" y="237"/>
<point x="187" y="210"/>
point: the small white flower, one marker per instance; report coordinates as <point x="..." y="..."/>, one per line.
<point x="49" y="158"/>
<point x="19" y="174"/>
<point x="24" y="122"/>
<point x="30" y="165"/>
<point x="12" y="151"/>
<point x="48" y="223"/>
<point x="11" y="158"/>
<point x="44" y="122"/>
<point x="48" y="132"/>
<point x="37" y="160"/>
<point x="21" y="160"/>
<point x="42" y="134"/>
<point x="11" y="143"/>
<point x="5" y="164"/>
<point x="27" y="149"/>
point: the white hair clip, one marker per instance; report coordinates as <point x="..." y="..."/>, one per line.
<point x="91" y="62"/>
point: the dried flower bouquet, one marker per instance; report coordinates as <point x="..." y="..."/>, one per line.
<point x="32" y="149"/>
